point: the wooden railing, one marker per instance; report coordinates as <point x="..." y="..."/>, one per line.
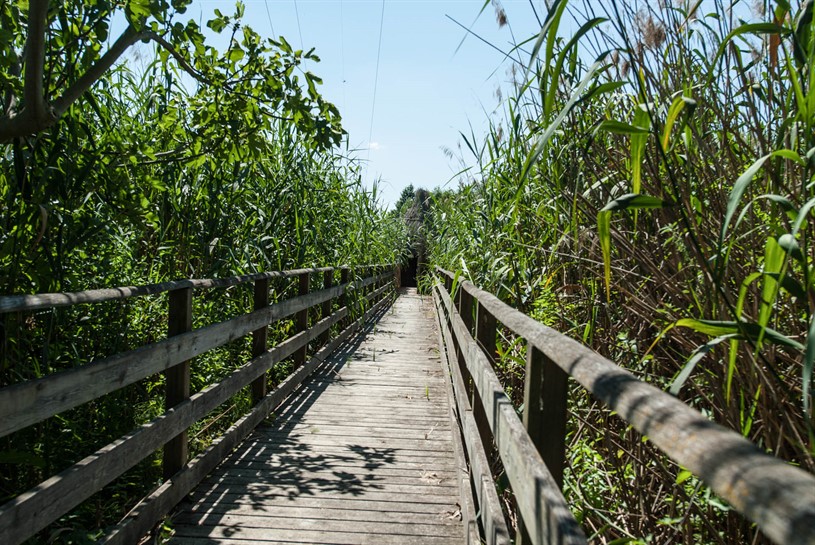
<point x="777" y="496"/>
<point x="33" y="401"/>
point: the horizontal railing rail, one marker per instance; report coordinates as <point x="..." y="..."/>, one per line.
<point x="777" y="496"/>
<point x="16" y="303"/>
<point x="30" y="402"/>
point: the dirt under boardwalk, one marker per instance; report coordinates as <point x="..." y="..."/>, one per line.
<point x="362" y="455"/>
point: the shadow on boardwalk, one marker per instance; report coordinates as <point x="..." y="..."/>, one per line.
<point x="356" y="467"/>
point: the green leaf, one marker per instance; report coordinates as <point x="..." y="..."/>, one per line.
<point x="695" y="358"/>
<point x="738" y="191"/>
<point x="543" y="139"/>
<point x="642" y="120"/>
<point x="549" y="27"/>
<point x="236" y="54"/>
<point x="683" y="476"/>
<point x="557" y="66"/>
<point x="618" y="127"/>
<point x="635" y="201"/>
<point x="790" y="246"/>
<point x="139" y="8"/>
<point x="773" y="262"/>
<point x="604" y="233"/>
<point x="608" y="87"/>
<point x="809" y="363"/>
<point x="752" y="28"/>
<point x="676" y="108"/>
<point x="749" y="330"/>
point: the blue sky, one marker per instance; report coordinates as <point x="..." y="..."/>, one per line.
<point x="426" y="91"/>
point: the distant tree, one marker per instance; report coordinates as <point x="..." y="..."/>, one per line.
<point x="407" y="195"/>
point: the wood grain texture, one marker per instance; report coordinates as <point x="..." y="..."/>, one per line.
<point x="335" y="465"/>
<point x="777" y="496"/>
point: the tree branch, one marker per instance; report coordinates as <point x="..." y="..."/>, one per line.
<point x="34" y="99"/>
<point x="129" y="37"/>
<point x="185" y="65"/>
<point x="37" y="114"/>
<point x="10" y="100"/>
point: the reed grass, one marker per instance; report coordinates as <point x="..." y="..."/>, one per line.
<point x="647" y="190"/>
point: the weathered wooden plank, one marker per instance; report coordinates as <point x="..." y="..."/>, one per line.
<point x="372" y="499"/>
<point x="539" y="500"/>
<point x="265" y="469"/>
<point x="304" y="539"/>
<point x="777" y="496"/>
<point x="319" y="411"/>
<point x="259" y="535"/>
<point x="348" y="430"/>
<point x="26" y="514"/>
<point x="495" y="527"/>
<point x="437" y="447"/>
<point x="247" y="525"/>
<point x="18" y="303"/>
<point x="33" y="401"/>
<point x="293" y="486"/>
<point x="157" y="504"/>
<point x="198" y="513"/>
<point x="544" y="416"/>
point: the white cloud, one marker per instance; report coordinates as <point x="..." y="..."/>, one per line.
<point x="375" y="146"/>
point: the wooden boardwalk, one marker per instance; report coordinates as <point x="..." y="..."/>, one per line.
<point x="363" y="454"/>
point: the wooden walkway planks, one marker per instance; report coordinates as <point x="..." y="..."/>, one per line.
<point x="362" y="454"/>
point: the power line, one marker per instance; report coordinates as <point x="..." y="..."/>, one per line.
<point x="342" y="54"/>
<point x="269" y="15"/>
<point x="376" y="81"/>
<point x="299" y="31"/>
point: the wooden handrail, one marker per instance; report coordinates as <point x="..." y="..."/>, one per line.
<point x="27" y="403"/>
<point x="777" y="496"/>
<point x="537" y="495"/>
<point x="18" y="303"/>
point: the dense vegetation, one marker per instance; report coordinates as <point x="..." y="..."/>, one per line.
<point x="181" y="162"/>
<point x="648" y="191"/>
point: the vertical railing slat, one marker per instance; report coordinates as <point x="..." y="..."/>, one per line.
<point x="328" y="281"/>
<point x="260" y="338"/>
<point x="486" y="328"/>
<point x="301" y="319"/>
<point x="177" y="387"/>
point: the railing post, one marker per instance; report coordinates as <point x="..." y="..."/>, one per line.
<point x="301" y="319"/>
<point x="328" y="281"/>
<point x="260" y="338"/>
<point x="486" y="328"/>
<point x="177" y="387"/>
<point x="465" y="309"/>
<point x="545" y="401"/>
<point x="345" y="274"/>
